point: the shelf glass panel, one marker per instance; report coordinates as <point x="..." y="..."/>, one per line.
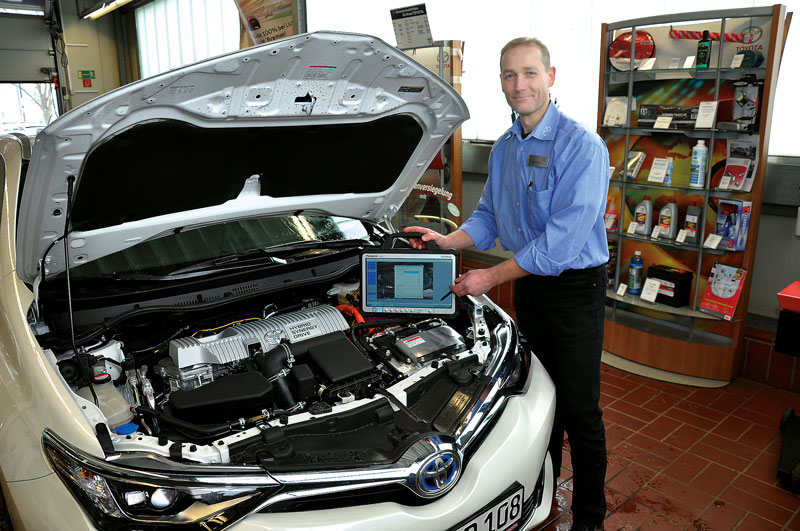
<point x="691" y="133"/>
<point x="664" y="242"/>
<point x="657" y="306"/>
<point x="616" y="76"/>
<point x="666" y="329"/>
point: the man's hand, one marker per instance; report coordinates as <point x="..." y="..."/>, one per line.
<point x="478" y="281"/>
<point x="474" y="282"/>
<point x="429" y="236"/>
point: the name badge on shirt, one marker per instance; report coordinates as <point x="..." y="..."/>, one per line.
<point x="538" y="161"/>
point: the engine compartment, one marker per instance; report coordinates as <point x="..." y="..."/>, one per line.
<point x="310" y="383"/>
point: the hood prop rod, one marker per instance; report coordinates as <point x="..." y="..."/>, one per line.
<point x="70" y="186"/>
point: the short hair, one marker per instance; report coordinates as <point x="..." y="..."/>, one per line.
<point x="527" y="41"/>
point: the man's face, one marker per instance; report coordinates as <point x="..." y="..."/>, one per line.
<point x="525" y="80"/>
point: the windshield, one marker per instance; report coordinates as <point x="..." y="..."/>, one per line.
<point x="163" y="255"/>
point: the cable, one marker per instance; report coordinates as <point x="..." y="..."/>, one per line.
<point x="70" y="186"/>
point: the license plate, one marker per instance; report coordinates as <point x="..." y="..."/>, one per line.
<point x="503" y="514"/>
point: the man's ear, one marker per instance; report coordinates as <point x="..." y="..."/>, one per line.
<point x="552" y="75"/>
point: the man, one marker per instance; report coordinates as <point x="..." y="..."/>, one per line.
<point x="544" y="199"/>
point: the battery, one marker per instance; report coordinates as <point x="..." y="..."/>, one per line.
<point x="423" y="345"/>
<point x="676" y="284"/>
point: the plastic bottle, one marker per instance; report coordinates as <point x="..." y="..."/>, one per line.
<point x="703" y="51"/>
<point x="635" y="271"/>
<point x="697" y="177"/>
<point x="643" y="215"/>
<point x="668" y="176"/>
<point x="694" y="216"/>
<point x="668" y="220"/>
<point x="612" y="215"/>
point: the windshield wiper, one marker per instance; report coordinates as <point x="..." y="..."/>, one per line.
<point x="256" y="257"/>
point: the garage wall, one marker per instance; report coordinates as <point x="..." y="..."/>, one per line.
<point x="24" y="49"/>
<point x="91" y="45"/>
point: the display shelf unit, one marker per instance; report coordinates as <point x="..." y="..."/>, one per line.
<point x="686" y="340"/>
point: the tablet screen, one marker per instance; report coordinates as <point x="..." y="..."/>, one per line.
<point x="407" y="283"/>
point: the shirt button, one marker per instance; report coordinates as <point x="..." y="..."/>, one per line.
<point x="519" y="229"/>
<point x="517" y="203"/>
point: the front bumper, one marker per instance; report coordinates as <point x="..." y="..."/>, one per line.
<point x="514" y="450"/>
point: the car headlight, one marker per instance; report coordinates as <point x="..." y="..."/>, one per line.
<point x="118" y="496"/>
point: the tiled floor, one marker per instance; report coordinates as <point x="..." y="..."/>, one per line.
<point x="686" y="458"/>
<point x="689" y="458"/>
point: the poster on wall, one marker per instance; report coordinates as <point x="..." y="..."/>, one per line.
<point x="266" y="21"/>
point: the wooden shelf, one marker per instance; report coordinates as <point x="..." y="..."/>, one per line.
<point x="636" y="300"/>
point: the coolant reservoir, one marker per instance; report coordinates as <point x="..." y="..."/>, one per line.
<point x="113" y="406"/>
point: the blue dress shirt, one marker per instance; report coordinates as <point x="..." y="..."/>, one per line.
<point x="548" y="211"/>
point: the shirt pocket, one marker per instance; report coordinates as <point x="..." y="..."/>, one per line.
<point x="539" y="208"/>
<point x="538" y="179"/>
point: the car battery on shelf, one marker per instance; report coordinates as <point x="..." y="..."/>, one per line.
<point x="676" y="284"/>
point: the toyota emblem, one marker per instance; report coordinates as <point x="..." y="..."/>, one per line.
<point x="438" y="473"/>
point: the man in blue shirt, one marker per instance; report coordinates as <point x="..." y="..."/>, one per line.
<point x="545" y="200"/>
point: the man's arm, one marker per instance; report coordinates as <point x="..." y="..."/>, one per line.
<point x="455" y="240"/>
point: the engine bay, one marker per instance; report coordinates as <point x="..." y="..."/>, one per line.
<point x="312" y="383"/>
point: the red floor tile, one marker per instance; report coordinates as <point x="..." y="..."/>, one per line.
<point x="663" y="522"/>
<point x="660" y="428"/>
<point x="663" y="450"/>
<point x="752" y="522"/>
<point x="634" y="411"/>
<point x="613" y="390"/>
<point x="616" y="464"/>
<point x="681" y="491"/>
<point x="732" y="447"/>
<point x="642" y="457"/>
<point x="766" y="491"/>
<point x="714" y="479"/>
<point x="717" y="455"/>
<point x="616" y="381"/>
<point x="615" y="434"/>
<point x="666" y="504"/>
<point x="686" y="467"/>
<point x="732" y="428"/>
<point x="794" y="524"/>
<point x="681" y="414"/>
<point x="764" y="468"/>
<point x="719" y="516"/>
<point x="685" y="437"/>
<point x="629" y="422"/>
<point x="763" y="508"/>
<point x="726" y="402"/>
<point x="661" y="402"/>
<point x="757" y="416"/>
<point x="681" y="391"/>
<point x="631" y="479"/>
<point x="758" y="438"/>
<point x="614" y="499"/>
<point x="630" y="515"/>
<point x="640" y="395"/>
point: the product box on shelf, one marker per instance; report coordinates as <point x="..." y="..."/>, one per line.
<point x="733" y="220"/>
<point x="675" y="287"/>
<point x="682" y="117"/>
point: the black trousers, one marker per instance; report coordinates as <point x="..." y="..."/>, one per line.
<point x="562" y="320"/>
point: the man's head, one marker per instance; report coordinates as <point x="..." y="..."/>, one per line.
<point x="526" y="76"/>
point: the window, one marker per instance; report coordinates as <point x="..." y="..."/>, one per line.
<point x="173" y="33"/>
<point x="571" y="31"/>
<point x="27" y="107"/>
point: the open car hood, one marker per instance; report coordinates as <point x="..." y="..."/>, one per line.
<point x="328" y="122"/>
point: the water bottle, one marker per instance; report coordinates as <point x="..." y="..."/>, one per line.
<point x="635" y="271"/>
<point x="697" y="176"/>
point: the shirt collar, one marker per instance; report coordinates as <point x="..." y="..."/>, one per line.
<point x="544" y="130"/>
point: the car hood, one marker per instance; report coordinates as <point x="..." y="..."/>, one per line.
<point x="326" y="122"/>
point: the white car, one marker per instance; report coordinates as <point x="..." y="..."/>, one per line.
<point x="181" y="284"/>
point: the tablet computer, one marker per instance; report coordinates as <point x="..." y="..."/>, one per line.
<point x="408" y="282"/>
